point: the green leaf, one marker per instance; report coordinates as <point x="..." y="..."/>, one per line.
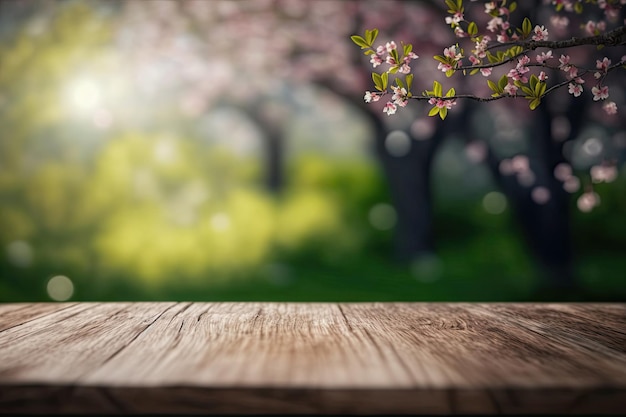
<point x="400" y="83"/>
<point x="449" y="73"/>
<point x="385" y="80"/>
<point x="409" y="82"/>
<point x="474" y="71"/>
<point x="370" y="36"/>
<point x="534" y="103"/>
<point x="407" y="49"/>
<point x="378" y="82"/>
<point x="369" y="52"/>
<point x="441" y="59"/>
<point x="359" y="41"/>
<point x="502" y="82"/>
<point x="451" y="5"/>
<point x="472" y="29"/>
<point x="527" y="27"/>
<point x="437" y="90"/>
<point x="434" y="111"/>
<point x="493" y="86"/>
<point x="443" y="112"/>
<point x="529" y="93"/>
<point x="533" y="81"/>
<point x="394" y="54"/>
<point x="578" y="7"/>
<point x="512" y="7"/>
<point x="451" y="92"/>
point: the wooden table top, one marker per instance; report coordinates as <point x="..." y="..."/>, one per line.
<point x="312" y="358"/>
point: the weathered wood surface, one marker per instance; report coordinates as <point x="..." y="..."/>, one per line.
<point x="364" y="358"/>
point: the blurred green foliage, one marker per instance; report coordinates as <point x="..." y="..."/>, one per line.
<point x="130" y="212"/>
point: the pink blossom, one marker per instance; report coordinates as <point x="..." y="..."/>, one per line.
<point x="474" y="60"/>
<point x="444" y="67"/>
<point x="390" y="46"/>
<point x="452" y="53"/>
<point x="516" y="75"/>
<point x="541" y="33"/>
<point x="597" y="75"/>
<point x="459" y="33"/>
<point x="493" y="24"/>
<point x="481" y="47"/>
<point x="485" y="72"/>
<point x="604" y="64"/>
<point x="399" y="96"/>
<point x="441" y="103"/>
<point x="404" y="69"/>
<point x="610" y="108"/>
<point x="391" y="60"/>
<point x="510" y="89"/>
<point x="454" y="19"/>
<point x="381" y="50"/>
<point x="544" y="57"/>
<point x="559" y="22"/>
<point x="600" y="93"/>
<point x="489" y="7"/>
<point x="564" y="62"/>
<point x="376" y="60"/>
<point x="575" y="89"/>
<point x="542" y="76"/>
<point x="390" y="108"/>
<point x="371" y="97"/>
<point x="524" y="60"/>
<point x="572" y="72"/>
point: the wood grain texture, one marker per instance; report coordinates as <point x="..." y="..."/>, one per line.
<point x="312" y="358"/>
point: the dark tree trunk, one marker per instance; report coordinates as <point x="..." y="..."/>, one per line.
<point x="409" y="180"/>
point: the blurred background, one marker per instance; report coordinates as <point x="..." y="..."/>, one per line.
<point x="221" y="150"/>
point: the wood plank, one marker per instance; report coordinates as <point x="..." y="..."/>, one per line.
<point x="12" y="315"/>
<point x="256" y="344"/>
<point x="60" y="347"/>
<point x="316" y="358"/>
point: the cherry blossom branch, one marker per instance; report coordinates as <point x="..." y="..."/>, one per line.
<point x="516" y="42"/>
<point x="611" y="38"/>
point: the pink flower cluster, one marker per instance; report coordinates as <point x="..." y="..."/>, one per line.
<point x="454" y="58"/>
<point x="441" y="103"/>
<point x="404" y="66"/>
<point x="499" y="22"/>
<point x="517" y="73"/>
<point x="400" y="98"/>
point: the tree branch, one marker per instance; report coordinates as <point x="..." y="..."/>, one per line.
<point x="611" y="38"/>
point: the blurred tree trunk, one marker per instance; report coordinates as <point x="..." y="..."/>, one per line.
<point x="273" y="145"/>
<point x="409" y="180"/>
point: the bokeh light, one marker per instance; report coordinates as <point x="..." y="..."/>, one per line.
<point x="382" y="216"/>
<point x="60" y="288"/>
<point x="494" y="202"/>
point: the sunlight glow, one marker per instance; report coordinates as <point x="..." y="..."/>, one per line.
<point x="85" y="94"/>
